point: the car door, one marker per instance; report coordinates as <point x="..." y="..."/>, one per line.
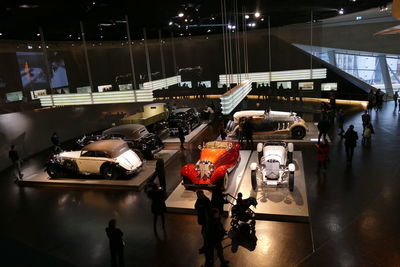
<point x="262" y="124"/>
<point x="90" y="162"/>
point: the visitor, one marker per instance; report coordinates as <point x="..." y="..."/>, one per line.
<point x="215" y="234"/>
<point x="322" y="154"/>
<point x="248" y="133"/>
<point x="323" y="127"/>
<point x="241" y="130"/>
<point x="222" y="131"/>
<point x="160" y="171"/>
<point x="340" y="120"/>
<point x="16" y="163"/>
<point x="395" y="98"/>
<point x="158" y="208"/>
<point x="218" y="199"/>
<point x="367" y="134"/>
<point x="366" y="118"/>
<point x="55" y="140"/>
<point x="202" y="207"/>
<point x="181" y="135"/>
<point x="350" y="143"/>
<point x="116" y="244"/>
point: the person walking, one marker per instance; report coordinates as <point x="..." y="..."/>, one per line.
<point x="203" y="208"/>
<point x="116" y="244"/>
<point x="181" y="136"/>
<point x="350" y="143"/>
<point x="367" y="134"/>
<point x="366" y="118"/>
<point x="340" y="120"/>
<point x="158" y="207"/>
<point x="215" y="234"/>
<point x="322" y="154"/>
<point x="323" y="128"/>
<point x="16" y="163"/>
<point x="395" y="98"/>
<point x="160" y="171"/>
<point x="248" y="133"/>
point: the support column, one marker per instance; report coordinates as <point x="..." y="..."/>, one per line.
<point x="46" y="62"/>
<point x="332" y="57"/>
<point x="385" y="74"/>
<point x="87" y="59"/>
<point x="131" y="56"/>
<point x="146" y="50"/>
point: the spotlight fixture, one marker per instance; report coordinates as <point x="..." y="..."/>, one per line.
<point x="170" y="23"/>
<point x="38" y="34"/>
<point x="208" y="30"/>
<point x="1" y="33"/>
<point x="358" y="17"/>
<point x="257" y="14"/>
<point x="181" y="15"/>
<point x="341" y="11"/>
<point x="246" y="16"/>
<point x="186" y="20"/>
<point x="28" y="6"/>
<point x="262" y="19"/>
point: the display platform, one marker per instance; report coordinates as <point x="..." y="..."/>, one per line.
<point x="182" y="200"/>
<point x="136" y="182"/>
<point x="311" y="136"/>
<point x="278" y="203"/>
<point x="189" y="137"/>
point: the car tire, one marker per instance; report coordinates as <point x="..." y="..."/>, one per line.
<point x="53" y="171"/>
<point x="70" y="166"/>
<point x="109" y="172"/>
<point x="254" y="179"/>
<point x="298" y="132"/>
<point x="291" y="181"/>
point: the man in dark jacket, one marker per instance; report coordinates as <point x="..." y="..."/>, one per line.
<point x="158" y="207"/>
<point x="366" y="118"/>
<point x="181" y="135"/>
<point x="160" y="171"/>
<point x="323" y="128"/>
<point x="16" y="162"/>
<point x="350" y="142"/>
<point x="248" y="132"/>
<point x="116" y="244"/>
<point x="203" y="207"/>
<point x="214" y="236"/>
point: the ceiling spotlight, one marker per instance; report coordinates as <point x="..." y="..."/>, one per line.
<point x="257" y="14"/>
<point x="38" y="34"/>
<point x="246" y="16"/>
<point x="181" y="34"/>
<point x="341" y="11"/>
<point x="28" y="6"/>
<point x="93" y="3"/>
<point x="358" y="17"/>
<point x="262" y="19"/>
<point x="1" y="33"/>
<point x="101" y="36"/>
<point x="170" y="23"/>
<point x="70" y="35"/>
<point x="29" y="47"/>
<point x="79" y="37"/>
<point x="181" y="15"/>
<point x="186" y="20"/>
<point x="208" y="30"/>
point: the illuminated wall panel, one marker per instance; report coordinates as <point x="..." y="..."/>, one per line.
<point x="233" y="97"/>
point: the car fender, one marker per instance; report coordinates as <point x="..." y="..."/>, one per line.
<point x="188" y="171"/>
<point x="218" y="173"/>
<point x="298" y="124"/>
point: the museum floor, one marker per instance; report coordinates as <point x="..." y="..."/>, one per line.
<point x="354" y="216"/>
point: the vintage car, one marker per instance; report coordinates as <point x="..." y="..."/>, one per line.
<point x="136" y="135"/>
<point x="189" y="118"/>
<point x="109" y="158"/>
<point x="275" y="167"/>
<point x="217" y="160"/>
<point x="270" y="123"/>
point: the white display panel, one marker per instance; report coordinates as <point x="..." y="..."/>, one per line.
<point x="104" y="88"/>
<point x="14" y="96"/>
<point x="35" y="94"/>
<point x="329" y="86"/>
<point x="186" y="84"/>
<point x="206" y="83"/>
<point x="264" y="77"/>
<point x="306" y="86"/>
<point x="233" y="97"/>
<point x="63" y="90"/>
<point x="163" y="83"/>
<point x="284" y="85"/>
<point x="124" y="87"/>
<point x="83" y="89"/>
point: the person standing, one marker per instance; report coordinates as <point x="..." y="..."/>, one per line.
<point x="181" y="136"/>
<point x="203" y="208"/>
<point x="248" y="133"/>
<point x="366" y="118"/>
<point x="340" y="120"/>
<point x="222" y="131"/>
<point x="322" y="154"/>
<point x="160" y="171"/>
<point x="16" y="162"/>
<point x="367" y="134"/>
<point x="116" y="244"/>
<point x="158" y="207"/>
<point x="350" y="143"/>
<point x="215" y="235"/>
<point x="395" y="97"/>
<point x="323" y="128"/>
<point x="55" y="140"/>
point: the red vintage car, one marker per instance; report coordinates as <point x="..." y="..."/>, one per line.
<point x="217" y="159"/>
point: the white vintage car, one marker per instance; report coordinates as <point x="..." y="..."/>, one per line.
<point x="275" y="167"/>
<point x="268" y="122"/>
<point x="109" y="158"/>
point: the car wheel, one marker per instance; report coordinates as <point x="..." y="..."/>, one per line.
<point x="53" y="171"/>
<point x="291" y="181"/>
<point x="110" y="172"/>
<point x="70" y="166"/>
<point x="254" y="179"/>
<point x="298" y="132"/>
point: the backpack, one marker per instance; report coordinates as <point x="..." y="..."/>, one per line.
<point x="367" y="132"/>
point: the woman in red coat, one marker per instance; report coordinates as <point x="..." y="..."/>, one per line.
<point x="322" y="154"/>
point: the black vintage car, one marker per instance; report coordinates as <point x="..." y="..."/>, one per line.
<point x="189" y="118"/>
<point x="136" y="135"/>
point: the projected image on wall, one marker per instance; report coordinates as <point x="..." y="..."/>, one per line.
<point x="186" y="84"/>
<point x="285" y="85"/>
<point x="328" y="86"/>
<point x="306" y="85"/>
<point x="14" y="96"/>
<point x="207" y="84"/>
<point x="33" y="70"/>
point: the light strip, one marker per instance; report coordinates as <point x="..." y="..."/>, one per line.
<point x="234" y="96"/>
<point x="162" y="83"/>
<point x="304" y="74"/>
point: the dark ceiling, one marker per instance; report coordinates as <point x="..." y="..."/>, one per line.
<point x="105" y="19"/>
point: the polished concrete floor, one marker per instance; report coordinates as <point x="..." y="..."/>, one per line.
<point x="354" y="216"/>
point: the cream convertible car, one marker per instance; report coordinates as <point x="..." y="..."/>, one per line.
<point x="109" y="158"/>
